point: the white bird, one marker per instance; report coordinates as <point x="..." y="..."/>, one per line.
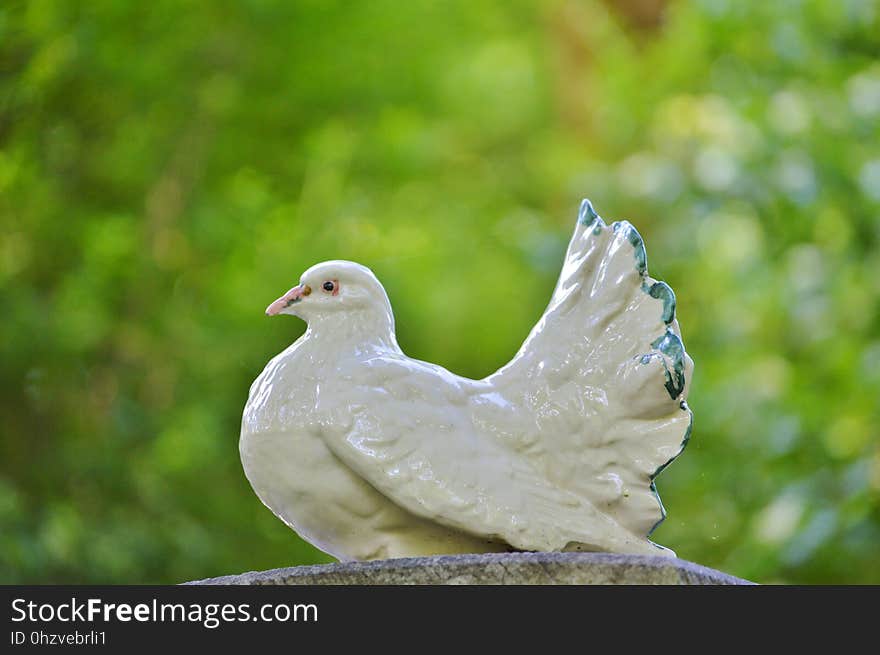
<point x="370" y="454"/>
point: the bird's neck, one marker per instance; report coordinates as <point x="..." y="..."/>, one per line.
<point x="353" y="332"/>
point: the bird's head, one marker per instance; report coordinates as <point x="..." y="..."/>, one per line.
<point x="328" y="288"/>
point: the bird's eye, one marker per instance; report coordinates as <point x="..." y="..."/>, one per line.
<point x="329" y="286"/>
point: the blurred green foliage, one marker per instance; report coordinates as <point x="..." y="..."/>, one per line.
<point x="167" y="169"/>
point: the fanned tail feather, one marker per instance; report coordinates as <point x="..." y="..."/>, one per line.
<point x="610" y="344"/>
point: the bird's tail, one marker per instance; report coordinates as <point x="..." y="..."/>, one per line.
<point x="608" y="375"/>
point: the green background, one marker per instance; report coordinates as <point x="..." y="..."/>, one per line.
<point x="168" y="168"/>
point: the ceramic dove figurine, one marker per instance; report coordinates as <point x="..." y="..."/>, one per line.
<point x="370" y="454"/>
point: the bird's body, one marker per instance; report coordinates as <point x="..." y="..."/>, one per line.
<point x="307" y="486"/>
<point x="370" y="454"/>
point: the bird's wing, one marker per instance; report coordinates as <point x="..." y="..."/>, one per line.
<point x="600" y="384"/>
<point x="405" y="427"/>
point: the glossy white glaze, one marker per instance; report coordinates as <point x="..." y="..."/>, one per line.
<point x="369" y="454"/>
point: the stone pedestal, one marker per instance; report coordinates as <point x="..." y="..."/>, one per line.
<point x="494" y="568"/>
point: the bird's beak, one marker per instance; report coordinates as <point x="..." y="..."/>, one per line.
<point x="294" y="295"/>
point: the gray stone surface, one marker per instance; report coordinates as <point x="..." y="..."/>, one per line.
<point x="494" y="568"/>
